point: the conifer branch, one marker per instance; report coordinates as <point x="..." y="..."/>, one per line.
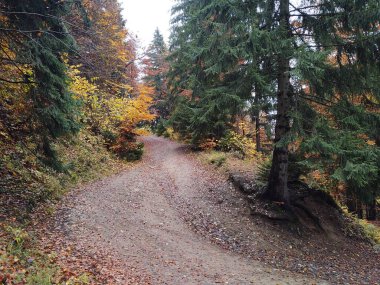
<point x="16" y="82"/>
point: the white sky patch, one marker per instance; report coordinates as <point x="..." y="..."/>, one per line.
<point x="144" y="16"/>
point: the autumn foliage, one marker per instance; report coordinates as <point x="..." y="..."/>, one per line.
<point x="137" y="111"/>
<point x="68" y="77"/>
<point x="69" y="101"/>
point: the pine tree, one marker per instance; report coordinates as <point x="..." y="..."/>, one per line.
<point x="308" y="36"/>
<point x="37" y="34"/>
<point x="345" y="45"/>
<point x="209" y="63"/>
<point x="298" y="56"/>
<point x="155" y="70"/>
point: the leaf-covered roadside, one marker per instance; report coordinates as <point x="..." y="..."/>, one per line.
<point x="22" y="263"/>
<point x="22" y="260"/>
<point x="348" y="258"/>
<point x="305" y="72"/>
<point x="70" y="107"/>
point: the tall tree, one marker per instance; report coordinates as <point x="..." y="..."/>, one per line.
<point x="35" y="40"/>
<point x="106" y="50"/>
<point x="307" y="36"/>
<point x="210" y="62"/>
<point x="278" y="178"/>
<point x="155" y="70"/>
<point x="311" y="48"/>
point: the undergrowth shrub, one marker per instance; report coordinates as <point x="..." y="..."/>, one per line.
<point x="371" y="231"/>
<point x="160" y="128"/>
<point x="26" y="181"/>
<point x="109" y="137"/>
<point x="233" y="142"/>
<point x="135" y="152"/>
<point x="363" y="228"/>
<point x="208" y="144"/>
<point x="171" y="134"/>
<point x="166" y="134"/>
<point x="126" y="146"/>
<point x="18" y="238"/>
<point x="143" y="131"/>
<point x="129" y="150"/>
<point x="217" y="158"/>
<point x="263" y="171"/>
<point x="22" y="263"/>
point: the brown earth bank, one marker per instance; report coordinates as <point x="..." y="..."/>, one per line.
<point x="170" y="219"/>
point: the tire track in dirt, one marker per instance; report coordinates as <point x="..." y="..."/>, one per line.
<point x="142" y="215"/>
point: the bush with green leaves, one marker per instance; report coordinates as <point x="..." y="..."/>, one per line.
<point x="217" y="158"/>
<point x="160" y="129"/>
<point x="233" y="142"/>
<point x="135" y="153"/>
<point x="263" y="171"/>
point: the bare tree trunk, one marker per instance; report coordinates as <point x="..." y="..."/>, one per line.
<point x="359" y="209"/>
<point x="258" y="139"/>
<point x="278" y="179"/>
<point x="350" y="201"/>
<point x="256" y="117"/>
<point x="371" y="209"/>
<point x="354" y="205"/>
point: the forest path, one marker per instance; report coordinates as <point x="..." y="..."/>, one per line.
<point x="143" y="217"/>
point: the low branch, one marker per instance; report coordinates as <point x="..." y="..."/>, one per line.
<point x="33" y="31"/>
<point x="17" y="82"/>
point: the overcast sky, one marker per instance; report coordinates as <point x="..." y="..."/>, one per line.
<point x="144" y="16"/>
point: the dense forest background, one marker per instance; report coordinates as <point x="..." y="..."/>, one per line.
<point x="69" y="91"/>
<point x="306" y="76"/>
<point x="294" y="88"/>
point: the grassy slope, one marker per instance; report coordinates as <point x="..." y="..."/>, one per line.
<point x="27" y="183"/>
<point x="230" y="163"/>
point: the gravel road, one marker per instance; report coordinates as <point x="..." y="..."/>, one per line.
<point x="148" y="217"/>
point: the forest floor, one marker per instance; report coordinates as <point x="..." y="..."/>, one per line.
<point x="170" y="219"/>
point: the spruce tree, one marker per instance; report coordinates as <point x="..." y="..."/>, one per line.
<point x="312" y="34"/>
<point x="209" y="65"/>
<point x="38" y="35"/>
<point x="155" y="72"/>
<point x="302" y="56"/>
<point x="300" y="41"/>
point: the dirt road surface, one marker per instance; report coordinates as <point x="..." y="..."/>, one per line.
<point x="151" y="218"/>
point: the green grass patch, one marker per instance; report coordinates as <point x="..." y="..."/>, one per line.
<point x="216" y="158"/>
<point x="370" y="230"/>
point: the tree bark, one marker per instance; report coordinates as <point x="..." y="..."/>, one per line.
<point x="258" y="139"/>
<point x="359" y="209"/>
<point x="350" y="201"/>
<point x="256" y="117"/>
<point x="278" y="178"/>
<point x="371" y="209"/>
